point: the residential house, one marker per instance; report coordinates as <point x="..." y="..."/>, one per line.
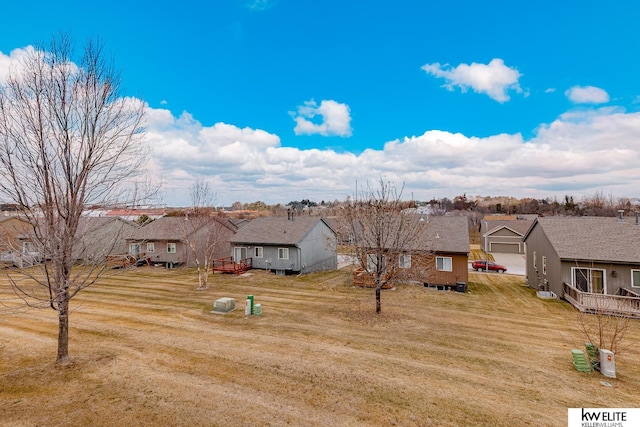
<point x="504" y="234"/>
<point x="169" y="240"/>
<point x="100" y="237"/>
<point x="438" y="257"/>
<point x="286" y="245"/>
<point x="578" y="258"/>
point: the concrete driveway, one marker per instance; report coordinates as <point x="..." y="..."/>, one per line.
<point x="515" y="263"/>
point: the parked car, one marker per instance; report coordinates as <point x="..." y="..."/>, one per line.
<point x="491" y="266"/>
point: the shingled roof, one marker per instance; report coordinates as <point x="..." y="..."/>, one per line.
<point x="518" y="226"/>
<point x="444" y="234"/>
<point x="592" y="238"/>
<point x="170" y="228"/>
<point x="276" y="230"/>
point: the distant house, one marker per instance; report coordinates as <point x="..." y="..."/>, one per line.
<point x="446" y="242"/>
<point x="166" y="240"/>
<point x="578" y="257"/>
<point x="504" y="235"/>
<point x="438" y="256"/>
<point x="99" y="237"/>
<point x="17" y="245"/>
<point x="286" y="245"/>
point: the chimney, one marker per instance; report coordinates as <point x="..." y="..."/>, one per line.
<point x="621" y="215"/>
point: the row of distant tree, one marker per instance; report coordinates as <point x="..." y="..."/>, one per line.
<point x="597" y="204"/>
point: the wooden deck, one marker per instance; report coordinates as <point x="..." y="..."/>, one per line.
<point x="625" y="304"/>
<point x="228" y="265"/>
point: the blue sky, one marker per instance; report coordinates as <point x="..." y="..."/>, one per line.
<point x="284" y="100"/>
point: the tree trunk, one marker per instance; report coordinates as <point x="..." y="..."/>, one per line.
<point x="378" y="304"/>
<point x="63" y="332"/>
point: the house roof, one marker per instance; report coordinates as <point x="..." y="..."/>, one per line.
<point x="518" y="226"/>
<point x="444" y="234"/>
<point x="592" y="238"/>
<point x="88" y="224"/>
<point x="171" y="228"/>
<point x="276" y="230"/>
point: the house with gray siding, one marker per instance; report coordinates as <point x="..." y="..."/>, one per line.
<point x="287" y="245"/>
<point x="99" y="237"/>
<point x="577" y="256"/>
<point x="170" y="241"/>
<point x="504" y="235"/>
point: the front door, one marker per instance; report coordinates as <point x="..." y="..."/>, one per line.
<point x="239" y="253"/>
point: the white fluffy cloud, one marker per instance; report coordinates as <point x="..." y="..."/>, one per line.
<point x="335" y="119"/>
<point x="494" y="79"/>
<point x="587" y="95"/>
<point x="12" y="62"/>
<point x="580" y="153"/>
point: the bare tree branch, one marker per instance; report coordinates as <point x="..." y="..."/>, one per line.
<point x="68" y="140"/>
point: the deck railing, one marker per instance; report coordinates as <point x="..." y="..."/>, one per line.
<point x="602" y="303"/>
<point x="228" y="265"/>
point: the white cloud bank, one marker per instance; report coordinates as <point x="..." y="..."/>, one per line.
<point x="587" y="95"/>
<point x="494" y="79"/>
<point x="335" y="119"/>
<point x="580" y="153"/>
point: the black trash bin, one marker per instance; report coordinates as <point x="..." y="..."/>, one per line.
<point x="461" y="287"/>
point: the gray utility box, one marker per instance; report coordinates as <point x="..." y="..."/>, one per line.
<point x="224" y="305"/>
<point x="607" y="363"/>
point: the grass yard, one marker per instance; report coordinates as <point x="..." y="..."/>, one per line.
<point x="147" y="351"/>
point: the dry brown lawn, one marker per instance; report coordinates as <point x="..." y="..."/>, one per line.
<point x="147" y="351"/>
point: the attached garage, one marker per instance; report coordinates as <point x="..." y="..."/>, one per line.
<point x="505" y="248"/>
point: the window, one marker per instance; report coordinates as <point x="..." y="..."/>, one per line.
<point x="171" y="248"/>
<point x="635" y="278"/>
<point x="404" y="261"/>
<point x="544" y="265"/>
<point x="535" y="260"/>
<point x="151" y="247"/>
<point x="258" y="252"/>
<point x="283" y="253"/>
<point x="27" y="247"/>
<point x="372" y="263"/>
<point x="588" y="279"/>
<point x="134" y="248"/>
<point x="443" y="263"/>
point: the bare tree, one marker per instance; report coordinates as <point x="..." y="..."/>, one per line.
<point x="380" y="232"/>
<point x="68" y="141"/>
<point x="604" y="326"/>
<point x="202" y="229"/>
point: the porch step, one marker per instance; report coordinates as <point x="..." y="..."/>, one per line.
<point x="580" y="361"/>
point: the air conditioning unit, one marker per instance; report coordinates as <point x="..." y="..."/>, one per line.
<point x="224" y="305"/>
